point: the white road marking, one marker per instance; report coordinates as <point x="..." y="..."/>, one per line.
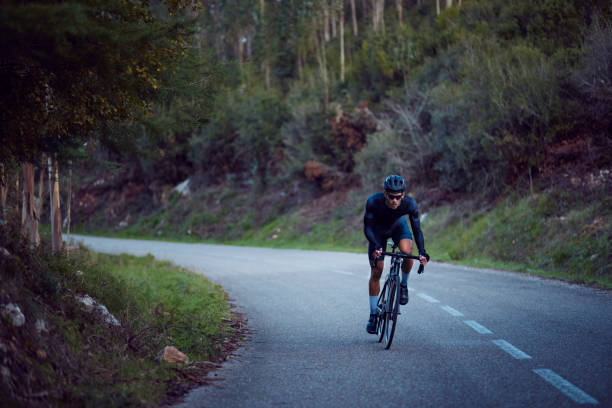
<point x="477" y="326"/>
<point x="566" y="387"/>
<point x="452" y="311"/>
<point x="510" y="349"/>
<point x="428" y="298"/>
<point x="342" y="272"/>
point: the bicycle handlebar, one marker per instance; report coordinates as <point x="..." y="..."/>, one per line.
<point x="406" y="256"/>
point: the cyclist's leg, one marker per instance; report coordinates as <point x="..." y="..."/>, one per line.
<point x="405" y="245"/>
<point x="403" y="238"/>
<point x="376" y="268"/>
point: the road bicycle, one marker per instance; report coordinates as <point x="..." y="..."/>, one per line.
<point x="388" y="302"/>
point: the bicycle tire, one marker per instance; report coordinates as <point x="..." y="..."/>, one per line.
<point x="381" y="308"/>
<point x="391" y="320"/>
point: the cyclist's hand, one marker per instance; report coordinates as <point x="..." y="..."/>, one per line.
<point x="377" y="253"/>
<point x="423" y="260"/>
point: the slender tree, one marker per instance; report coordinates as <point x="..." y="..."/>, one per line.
<point x="400" y="9"/>
<point x="30" y="218"/>
<point x="341" y="41"/>
<point x="354" y="18"/>
<point x="3" y="193"/>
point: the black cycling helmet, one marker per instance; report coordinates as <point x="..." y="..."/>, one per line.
<point x="395" y="183"/>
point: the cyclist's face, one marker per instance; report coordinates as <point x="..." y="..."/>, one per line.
<point x="393" y="200"/>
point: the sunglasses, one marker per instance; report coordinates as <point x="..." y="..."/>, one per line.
<point x="394" y="197"/>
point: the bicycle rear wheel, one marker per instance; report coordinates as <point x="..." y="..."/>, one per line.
<point x="381" y="308"/>
<point x="392" y="312"/>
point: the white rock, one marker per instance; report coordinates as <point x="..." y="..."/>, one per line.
<point x="13" y="313"/>
<point x="41" y="326"/>
<point x="91" y="304"/>
<point x="6" y="373"/>
<point x="5" y="252"/>
<point x="183" y="188"/>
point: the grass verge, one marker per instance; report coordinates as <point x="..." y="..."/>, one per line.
<point x="556" y="233"/>
<point x="65" y="355"/>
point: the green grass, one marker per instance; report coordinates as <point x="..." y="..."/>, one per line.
<point x="558" y="233"/>
<point x="541" y="235"/>
<point x="81" y="361"/>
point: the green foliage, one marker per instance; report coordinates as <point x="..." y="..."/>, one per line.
<point x="551" y="234"/>
<point x="80" y="359"/>
<point x="243" y="136"/>
<point x="72" y="67"/>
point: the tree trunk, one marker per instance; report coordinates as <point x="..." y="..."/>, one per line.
<point x="437" y="7"/>
<point x="321" y="58"/>
<point x="375" y="15"/>
<point x="326" y="21"/>
<point x="342" y="42"/>
<point x="334" y="32"/>
<point x="55" y="213"/>
<point x="381" y="14"/>
<point x="300" y="66"/>
<point x="354" y="15"/>
<point x="449" y="3"/>
<point x="41" y="188"/>
<point x="69" y="200"/>
<point x="3" y="194"/>
<point x="398" y="5"/>
<point x="29" y="221"/>
<point x="267" y="71"/>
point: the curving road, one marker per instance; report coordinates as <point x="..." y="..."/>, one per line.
<point x="468" y="338"/>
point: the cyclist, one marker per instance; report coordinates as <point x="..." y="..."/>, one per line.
<point x="384" y="218"/>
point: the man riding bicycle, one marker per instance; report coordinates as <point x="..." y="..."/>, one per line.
<point x="384" y="219"/>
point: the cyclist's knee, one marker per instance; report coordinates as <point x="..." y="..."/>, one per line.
<point x="405" y="245"/>
<point x="376" y="271"/>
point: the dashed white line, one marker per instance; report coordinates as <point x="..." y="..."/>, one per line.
<point x="510" y="349"/>
<point x="566" y="387"/>
<point x="452" y="311"/>
<point x="342" y="272"/>
<point x="477" y="326"/>
<point x="428" y="298"/>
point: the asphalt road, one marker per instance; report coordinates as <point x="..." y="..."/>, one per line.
<point x="468" y="337"/>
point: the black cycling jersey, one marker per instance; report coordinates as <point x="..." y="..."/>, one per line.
<point x="380" y="217"/>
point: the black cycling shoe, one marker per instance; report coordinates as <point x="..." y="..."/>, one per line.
<point x="403" y="294"/>
<point x="371" y="326"/>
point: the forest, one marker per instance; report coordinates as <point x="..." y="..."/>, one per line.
<point x="473" y="99"/>
<point x="269" y="123"/>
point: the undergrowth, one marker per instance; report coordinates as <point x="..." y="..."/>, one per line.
<point x="559" y="233"/>
<point x="65" y="355"/>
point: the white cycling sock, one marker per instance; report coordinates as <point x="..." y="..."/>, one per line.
<point x="373" y="303"/>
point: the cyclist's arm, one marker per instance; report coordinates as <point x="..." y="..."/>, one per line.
<point x="368" y="225"/>
<point x="415" y="223"/>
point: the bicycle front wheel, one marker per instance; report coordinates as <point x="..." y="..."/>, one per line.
<point x="392" y="312"/>
<point x="381" y="308"/>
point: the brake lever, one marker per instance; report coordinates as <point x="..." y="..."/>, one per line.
<point x="421" y="269"/>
